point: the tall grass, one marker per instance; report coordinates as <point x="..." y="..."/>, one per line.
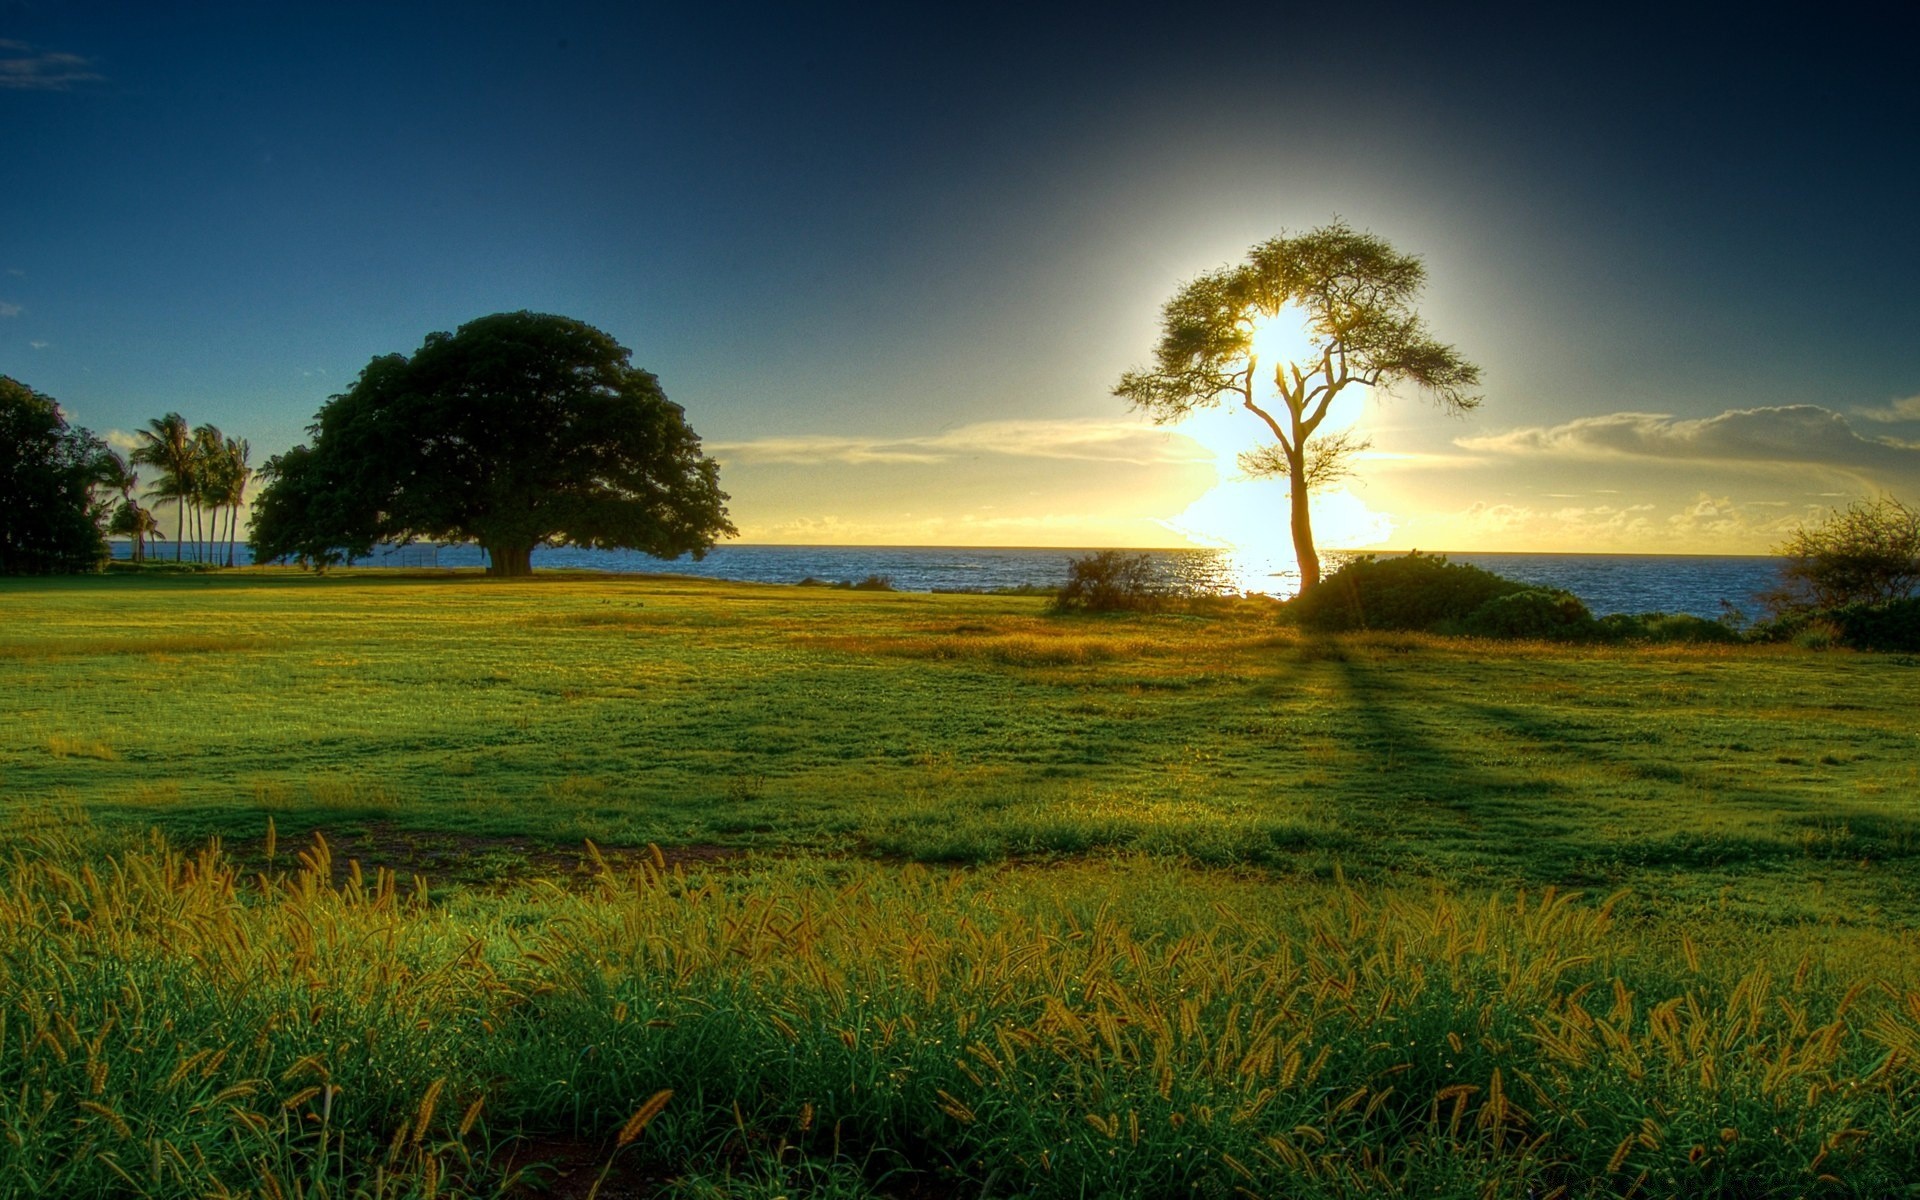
<point x="171" y="1026"/>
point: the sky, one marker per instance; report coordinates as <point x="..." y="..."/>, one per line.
<point x="892" y="259"/>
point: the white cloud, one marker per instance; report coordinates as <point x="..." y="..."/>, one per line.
<point x="121" y="440"/>
<point x="24" y="68"/>
<point x="1905" y="409"/>
<point x="1795" y="434"/>
<point x="1087" y="440"/>
<point x="10" y="310"/>
<point x="38" y="345"/>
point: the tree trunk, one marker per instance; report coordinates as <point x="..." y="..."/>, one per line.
<point x="509" y="559"/>
<point x="1302" y="523"/>
<point x="179" y="529"/>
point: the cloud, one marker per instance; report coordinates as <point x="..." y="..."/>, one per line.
<point x="1702" y="524"/>
<point x="121" y="440"/>
<point x="1795" y="434"/>
<point x="1089" y="440"/>
<point x="1906" y="409"/>
<point x="38" y="345"/>
<point x="26" y="69"/>
<point x="10" y="310"/>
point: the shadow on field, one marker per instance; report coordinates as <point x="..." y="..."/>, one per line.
<point x="1467" y="785"/>
<point x="1440" y="800"/>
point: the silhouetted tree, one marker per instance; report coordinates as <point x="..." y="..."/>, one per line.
<point x="519" y="430"/>
<point x="1355" y="295"/>
<point x="49" y="517"/>
<point x="1868" y="553"/>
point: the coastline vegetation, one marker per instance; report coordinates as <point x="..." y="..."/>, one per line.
<point x="951" y="897"/>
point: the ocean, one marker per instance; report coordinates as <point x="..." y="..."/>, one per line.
<point x="1704" y="585"/>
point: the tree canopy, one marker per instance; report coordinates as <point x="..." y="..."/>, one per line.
<point x="1354" y="293"/>
<point x="1868" y="553"/>
<point x="518" y="430"/>
<point x="49" y="517"/>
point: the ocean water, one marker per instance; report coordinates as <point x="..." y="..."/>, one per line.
<point x="1700" y="584"/>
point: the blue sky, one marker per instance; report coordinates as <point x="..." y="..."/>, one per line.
<point x="892" y="259"/>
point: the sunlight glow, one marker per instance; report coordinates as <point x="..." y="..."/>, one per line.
<point x="1249" y="517"/>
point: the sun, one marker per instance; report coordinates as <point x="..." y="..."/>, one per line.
<point x="1249" y="517"/>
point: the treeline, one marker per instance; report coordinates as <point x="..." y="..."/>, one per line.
<point x="201" y="471"/>
<point x="64" y="491"/>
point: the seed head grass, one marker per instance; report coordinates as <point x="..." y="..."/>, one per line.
<point x="173" y="1024"/>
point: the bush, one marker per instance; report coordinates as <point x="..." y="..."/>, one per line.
<point x="1415" y="591"/>
<point x="1893" y="626"/>
<point x="1665" y="628"/>
<point x="875" y="583"/>
<point x="1869" y="554"/>
<point x="1110" y="581"/>
<point x="1533" y="613"/>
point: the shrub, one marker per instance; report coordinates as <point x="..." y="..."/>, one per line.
<point x="1415" y="591"/>
<point x="1868" y="554"/>
<point x="875" y="583"/>
<point x="1533" y="613"/>
<point x="1893" y="626"/>
<point x="1110" y="581"/>
<point x="1665" y="628"/>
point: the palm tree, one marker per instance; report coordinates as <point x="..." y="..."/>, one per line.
<point x="238" y="474"/>
<point x="167" y="444"/>
<point x="209" y="482"/>
<point x="117" y="474"/>
<point x="137" y="523"/>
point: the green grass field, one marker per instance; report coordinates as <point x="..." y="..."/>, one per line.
<point x="954" y="898"/>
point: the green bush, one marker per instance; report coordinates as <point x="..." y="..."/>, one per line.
<point x="1533" y="613"/>
<point x="1894" y="625"/>
<point x="1415" y="591"/>
<point x="1665" y="628"/>
<point x="1110" y="582"/>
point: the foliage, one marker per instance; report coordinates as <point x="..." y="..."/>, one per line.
<point x="202" y="473"/>
<point x="181" y="1024"/>
<point x="49" y="516"/>
<point x="1110" y="581"/>
<point x="1411" y="591"/>
<point x="1661" y="628"/>
<point x="1544" y="613"/>
<point x="1868" y="554"/>
<point x="1893" y="626"/>
<point x="1356" y="295"/>
<point x="518" y="430"/>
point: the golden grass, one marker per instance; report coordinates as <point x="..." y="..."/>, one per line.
<point x="63" y="746"/>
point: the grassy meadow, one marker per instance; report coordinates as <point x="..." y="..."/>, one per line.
<point x="951" y="897"/>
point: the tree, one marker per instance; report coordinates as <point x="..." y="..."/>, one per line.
<point x="1354" y="294"/>
<point x="519" y="430"/>
<point x="1867" y="554"/>
<point x="49" y="519"/>
<point x="235" y="474"/>
<point x="167" y="444"/>
<point x="129" y="518"/>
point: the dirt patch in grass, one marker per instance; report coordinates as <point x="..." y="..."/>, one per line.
<point x="569" y="1169"/>
<point x="470" y="859"/>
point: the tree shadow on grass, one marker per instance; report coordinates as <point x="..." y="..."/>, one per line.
<point x="1433" y="804"/>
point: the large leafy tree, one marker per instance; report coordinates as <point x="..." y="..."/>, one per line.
<point x="519" y="430"/>
<point x="49" y="516"/>
<point x="1354" y="294"/>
